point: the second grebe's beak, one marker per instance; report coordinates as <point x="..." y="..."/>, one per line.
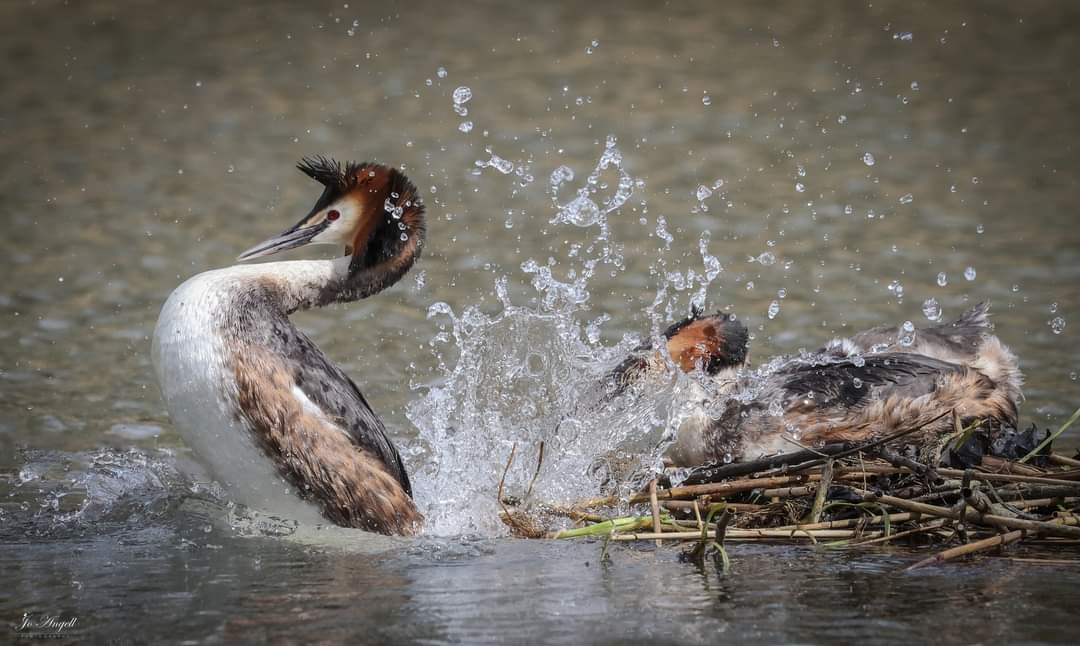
<point x="297" y="236"/>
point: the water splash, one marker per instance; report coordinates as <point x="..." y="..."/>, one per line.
<point x="597" y="198"/>
<point x="60" y="493"/>
<point x="537" y="373"/>
<point x="523" y="376"/>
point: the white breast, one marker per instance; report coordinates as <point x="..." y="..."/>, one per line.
<point x="190" y="358"/>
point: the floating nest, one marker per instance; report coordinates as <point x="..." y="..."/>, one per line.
<point x="975" y="496"/>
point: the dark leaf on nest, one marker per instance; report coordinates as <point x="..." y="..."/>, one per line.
<point x="1013" y="445"/>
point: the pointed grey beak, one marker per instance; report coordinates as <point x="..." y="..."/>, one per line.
<point x="297" y="236"/>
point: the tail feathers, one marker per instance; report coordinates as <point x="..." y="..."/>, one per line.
<point x="976" y="317"/>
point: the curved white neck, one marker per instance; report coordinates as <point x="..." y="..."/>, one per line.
<point x="296" y="284"/>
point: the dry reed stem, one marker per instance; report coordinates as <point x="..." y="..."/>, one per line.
<point x="1064" y="461"/>
<point x="969" y="548"/>
<point x="822" y="492"/>
<point x="741" y="534"/>
<point x="654" y="504"/>
<point x="1063" y="530"/>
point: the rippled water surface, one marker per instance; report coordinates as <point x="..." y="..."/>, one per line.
<point x="816" y="169"/>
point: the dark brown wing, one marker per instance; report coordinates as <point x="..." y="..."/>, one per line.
<point x="852" y="384"/>
<point x="339" y="397"/>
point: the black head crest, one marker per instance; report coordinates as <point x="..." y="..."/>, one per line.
<point x="328" y="172"/>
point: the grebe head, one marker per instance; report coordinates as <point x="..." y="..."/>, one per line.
<point x="713" y="341"/>
<point x="374" y="211"/>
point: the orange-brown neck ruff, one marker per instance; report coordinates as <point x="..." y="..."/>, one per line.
<point x="711" y="342"/>
<point x="390" y="235"/>
<point x="350" y="483"/>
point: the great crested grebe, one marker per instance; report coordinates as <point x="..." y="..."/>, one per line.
<point x="280" y="427"/>
<point x="854" y="389"/>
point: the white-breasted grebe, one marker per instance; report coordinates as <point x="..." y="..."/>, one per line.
<point x="280" y="426"/>
<point x="862" y="388"/>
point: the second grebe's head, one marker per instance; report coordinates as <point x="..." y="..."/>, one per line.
<point x="372" y="210"/>
<point x="713" y="342"/>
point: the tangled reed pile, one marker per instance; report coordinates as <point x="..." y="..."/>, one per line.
<point x="842" y="496"/>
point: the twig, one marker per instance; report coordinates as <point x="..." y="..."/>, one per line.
<point x="1008" y="477"/>
<point x="822" y="492"/>
<point x="655" y="505"/>
<point x="969" y="548"/>
<point x="688" y="505"/>
<point x="1050" y="529"/>
<point x="935" y="525"/>
<point x="787" y="492"/>
<point x="715" y="488"/>
<point x="898" y="460"/>
<point x="1057" y="458"/>
<point x="508" y="517"/>
<point x="740" y="534"/>
<point x="539" y="463"/>
<point x="853" y="522"/>
<point x="715" y="472"/>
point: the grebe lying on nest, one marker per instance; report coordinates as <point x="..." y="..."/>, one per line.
<point x="862" y="388"/>
<point x="281" y="427"/>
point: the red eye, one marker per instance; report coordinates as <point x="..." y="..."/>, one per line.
<point x="332" y="215"/>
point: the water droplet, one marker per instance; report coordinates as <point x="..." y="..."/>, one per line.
<point x="907" y="334"/>
<point x="462" y="95"/>
<point x="969" y="273"/>
<point x="800" y="187"/>
<point x="856" y="382"/>
<point x="465" y="126"/>
<point x="782" y="293"/>
<point x="868" y="159"/>
<point x="581" y="211"/>
<point x="703" y="193"/>
<point x="560" y="175"/>
<point x="915" y="86"/>
<point x="774" y="309"/>
<point x="766" y="258"/>
<point x="907" y="198"/>
<point x="896" y="288"/>
<point x="706" y="100"/>
<point x="404" y="237"/>
<point x="504" y="166"/>
<point x="441" y="72"/>
<point x="931" y="310"/>
<point x="980" y="228"/>
<point x="1053" y="308"/>
<point x="842" y="119"/>
<point x="1057" y="324"/>
<point x="942" y="279"/>
<point x="905" y="36"/>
